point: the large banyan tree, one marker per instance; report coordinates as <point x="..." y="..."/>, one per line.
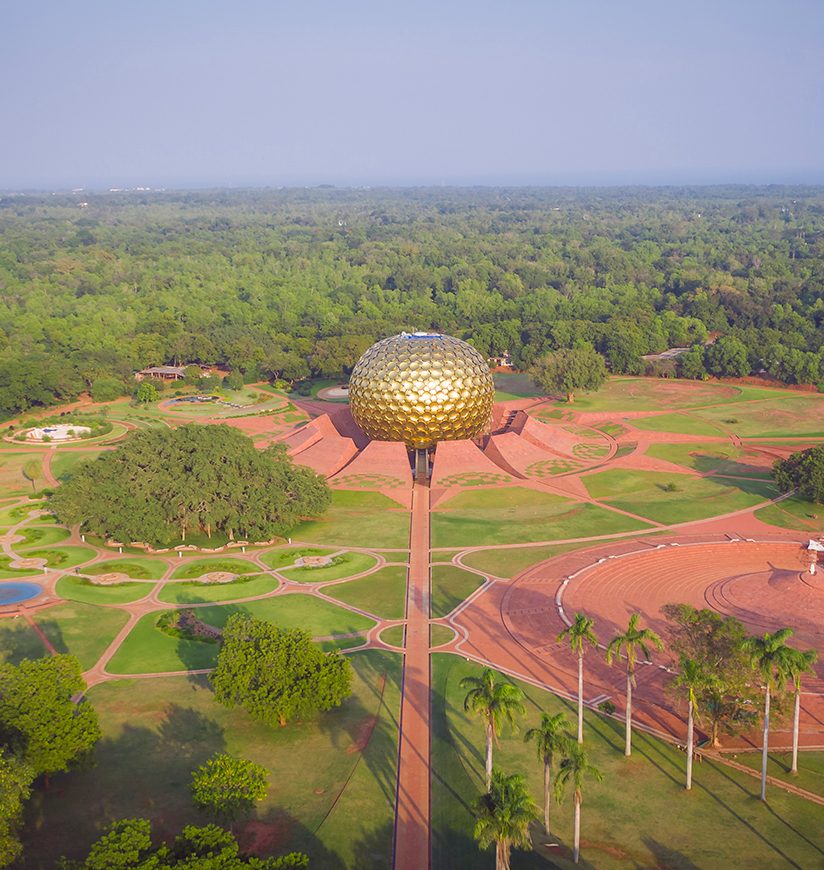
<point x="162" y="483"/>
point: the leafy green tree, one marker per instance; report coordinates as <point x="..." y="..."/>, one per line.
<point x="578" y="634"/>
<point x="160" y="481"/>
<point x="716" y="643"/>
<point x="728" y="357"/>
<point x="569" y="371"/>
<point x="802" y="471"/>
<point x="691" y="364"/>
<point x="631" y="641"/>
<point x="32" y="470"/>
<point x="774" y="661"/>
<point x="624" y="346"/>
<point x="691" y="678"/>
<point x="146" y="393"/>
<point x="39" y="718"/>
<point x="15" y="787"/>
<point x="551" y="739"/>
<point x="127" y="845"/>
<point x="233" y="381"/>
<point x="801" y="662"/>
<point x="574" y="770"/>
<point x="503" y="816"/>
<point x="105" y="389"/>
<point x="228" y="786"/>
<point x="495" y="703"/>
<point x="277" y="675"/>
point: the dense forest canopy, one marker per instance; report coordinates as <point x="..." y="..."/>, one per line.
<point x="287" y="283"/>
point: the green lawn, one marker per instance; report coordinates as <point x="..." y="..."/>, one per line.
<point x="7" y="573"/>
<point x="794" y="513"/>
<point x="329" y="795"/>
<point x="12" y="480"/>
<point x="450" y="586"/>
<point x="61" y="557"/>
<point x="382" y="593"/>
<point x="683" y="424"/>
<point x="83" y="630"/>
<point x="193" y="592"/>
<point x="358" y="519"/>
<point x="199" y="567"/>
<point x="795" y="415"/>
<point x="281" y="557"/>
<point x="718" y="458"/>
<point x="65" y="462"/>
<point x="810" y="768"/>
<point x="394" y="635"/>
<point x="640" y="816"/>
<point x="149" y="650"/>
<point x="644" y="493"/>
<point x="137" y="569"/>
<point x="41" y="536"/>
<point x="510" y="562"/>
<point x="345" y="565"/>
<point x="10" y="516"/>
<point x="78" y="589"/>
<point x="517" y="515"/>
<point x="18" y="641"/>
<point x="440" y="634"/>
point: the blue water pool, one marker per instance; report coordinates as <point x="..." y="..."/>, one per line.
<point x="13" y="593"/>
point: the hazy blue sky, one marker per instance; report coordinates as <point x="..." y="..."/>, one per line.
<point x="200" y="92"/>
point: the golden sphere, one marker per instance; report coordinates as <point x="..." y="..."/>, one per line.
<point x="421" y="388"/>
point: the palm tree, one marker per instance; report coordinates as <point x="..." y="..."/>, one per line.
<point x="504" y="815"/>
<point x="495" y="703"/>
<point x="801" y="662"/>
<point x="551" y="737"/>
<point x="577" y="635"/>
<point x="691" y="678"/>
<point x="574" y="769"/>
<point x="632" y="640"/>
<point x="772" y="658"/>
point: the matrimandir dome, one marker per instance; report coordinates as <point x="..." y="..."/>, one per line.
<point x="421" y="388"/>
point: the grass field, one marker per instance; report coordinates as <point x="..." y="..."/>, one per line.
<point x="358" y="519"/>
<point x="345" y="565"/>
<point x="794" y="513"/>
<point x="41" y="536"/>
<point x="440" y="634"/>
<point x="640" y="816"/>
<point x="137" y="569"/>
<point x="193" y="592"/>
<point x="65" y="461"/>
<point x="83" y="630"/>
<point x="644" y="493"/>
<point x="331" y="776"/>
<point x="382" y="593"/>
<point x="718" y="458"/>
<point x="394" y="635"/>
<point x="810" y="768"/>
<point x="10" y="516"/>
<point x="450" y="586"/>
<point x="199" y="567"/>
<point x="61" y="557"/>
<point x="796" y="415"/>
<point x="78" y="589"/>
<point x="149" y="650"/>
<point x="18" y="641"/>
<point x="7" y="573"/>
<point x="12" y="480"/>
<point x="281" y="558"/>
<point x="682" y="424"/>
<point x="510" y="562"/>
<point x="517" y="515"/>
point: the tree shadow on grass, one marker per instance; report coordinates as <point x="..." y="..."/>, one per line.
<point x="666" y="857"/>
<point x="142" y="773"/>
<point x="18" y="640"/>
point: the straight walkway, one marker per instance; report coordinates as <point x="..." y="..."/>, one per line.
<point x="412" y="805"/>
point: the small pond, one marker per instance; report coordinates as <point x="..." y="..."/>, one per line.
<point x="13" y="593"/>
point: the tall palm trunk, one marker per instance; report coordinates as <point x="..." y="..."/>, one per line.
<point x="796" y="720"/>
<point x="628" y="740"/>
<point x="502" y="855"/>
<point x="547" y="795"/>
<point x="580" y="697"/>
<point x="766" y="744"/>
<point x="490" y="734"/>
<point x="690" y="730"/>
<point x="576" y="842"/>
